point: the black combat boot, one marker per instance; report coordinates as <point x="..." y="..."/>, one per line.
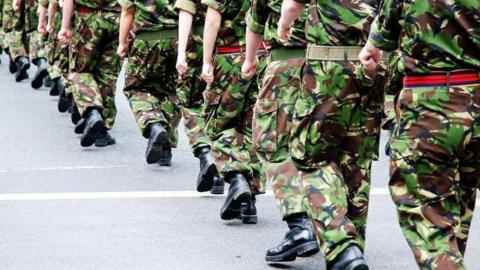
<point x="80" y="127"/>
<point x="165" y="157"/>
<point x="158" y="137"/>
<point x="299" y="241"/>
<point x="350" y="259"/>
<point x="65" y="100"/>
<point x="208" y="171"/>
<point x="104" y="139"/>
<point x="75" y="117"/>
<point x="218" y="185"/>
<point x="48" y="82"/>
<point x="238" y="193"/>
<point x="41" y="73"/>
<point x="249" y="212"/>
<point x="11" y="66"/>
<point x="22" y="65"/>
<point x="55" y="86"/>
<point x="93" y="129"/>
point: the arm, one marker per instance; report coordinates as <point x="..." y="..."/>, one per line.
<point x="291" y="10"/>
<point x="210" y="32"/>
<point x="126" y="22"/>
<point x="42" y="17"/>
<point x="254" y="40"/>
<point x="65" y="34"/>
<point x="52" y="11"/>
<point x="185" y="20"/>
<point x="256" y="20"/>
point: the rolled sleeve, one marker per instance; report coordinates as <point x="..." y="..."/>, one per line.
<point x="253" y="25"/>
<point x="43" y="3"/>
<point x="217" y="5"/>
<point x="385" y="29"/>
<point x="127" y="4"/>
<point x="187" y="6"/>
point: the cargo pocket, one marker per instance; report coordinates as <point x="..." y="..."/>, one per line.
<point x="212" y="101"/>
<point x="303" y="137"/>
<point x="265" y="126"/>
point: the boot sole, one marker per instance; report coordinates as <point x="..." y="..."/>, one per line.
<point x="205" y="179"/>
<point x="217" y="190"/>
<point x="97" y="144"/>
<point x="153" y="154"/>
<point x="37" y="82"/>
<point x="249" y="219"/>
<point x="231" y="209"/>
<point x="357" y="265"/>
<point x="90" y="135"/>
<point x="304" y="250"/>
<point x="22" y="74"/>
<point x="165" y="162"/>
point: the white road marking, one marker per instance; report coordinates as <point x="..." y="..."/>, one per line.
<point x="66" y="168"/>
<point x="123" y="195"/>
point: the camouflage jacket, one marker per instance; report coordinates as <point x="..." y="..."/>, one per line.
<point x="340" y="22"/>
<point x="435" y="35"/>
<point x="263" y="17"/>
<point x="232" y="29"/>
<point x="198" y="10"/>
<point x="152" y="15"/>
<point x="104" y="5"/>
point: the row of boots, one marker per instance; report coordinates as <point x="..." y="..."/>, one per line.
<point x="21" y="65"/>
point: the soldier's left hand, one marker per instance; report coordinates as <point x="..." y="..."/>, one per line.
<point x="207" y="73"/>
<point x="249" y="68"/>
<point x="182" y="65"/>
<point x="370" y="56"/>
<point x="284" y="32"/>
<point x="42" y="29"/>
<point x="16" y="5"/>
<point x="65" y="35"/>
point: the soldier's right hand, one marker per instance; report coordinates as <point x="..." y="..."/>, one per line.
<point x="42" y="29"/>
<point x="16" y="5"/>
<point x="122" y="50"/>
<point x="65" y="35"/>
<point x="182" y="65"/>
<point x="249" y="68"/>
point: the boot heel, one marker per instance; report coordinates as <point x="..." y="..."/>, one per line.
<point x="308" y="249"/>
<point x="249" y="219"/>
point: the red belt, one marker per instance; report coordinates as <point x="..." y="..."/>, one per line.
<point x="84" y="9"/>
<point x="442" y="79"/>
<point x="235" y="49"/>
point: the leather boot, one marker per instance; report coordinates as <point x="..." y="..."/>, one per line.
<point x="22" y="65"/>
<point x="64" y="100"/>
<point x="11" y="66"/>
<point x="350" y="259"/>
<point x="299" y="241"/>
<point x="165" y="157"/>
<point x="218" y="185"/>
<point x="41" y="73"/>
<point x="80" y="127"/>
<point x="54" y="87"/>
<point x="48" y="82"/>
<point x="93" y="129"/>
<point x="238" y="193"/>
<point x="104" y="139"/>
<point x="207" y="169"/>
<point x="249" y="212"/>
<point x="75" y="117"/>
<point x="158" y="137"/>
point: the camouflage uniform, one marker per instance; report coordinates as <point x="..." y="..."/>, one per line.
<point x="336" y="126"/>
<point x="273" y="111"/>
<point x="230" y="98"/>
<point x="2" y="33"/>
<point x="435" y="150"/>
<point x="94" y="63"/>
<point x="150" y="80"/>
<point x="191" y="86"/>
<point x="57" y="53"/>
<point x="24" y="38"/>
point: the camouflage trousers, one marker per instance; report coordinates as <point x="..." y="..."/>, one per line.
<point x="229" y="113"/>
<point x="57" y="53"/>
<point x="435" y="169"/>
<point x="335" y="137"/>
<point x="94" y="63"/>
<point x="272" y="125"/>
<point x="151" y="85"/>
<point x="190" y="89"/>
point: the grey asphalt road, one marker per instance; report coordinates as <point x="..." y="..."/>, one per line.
<point x="175" y="229"/>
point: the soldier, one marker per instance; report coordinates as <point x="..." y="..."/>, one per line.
<point x="435" y="149"/>
<point x="336" y="124"/>
<point x="273" y="114"/>
<point x="9" y="18"/>
<point x="95" y="65"/>
<point x="229" y="102"/>
<point x="2" y="33"/>
<point x="190" y="91"/>
<point x="26" y="43"/>
<point x="150" y="82"/>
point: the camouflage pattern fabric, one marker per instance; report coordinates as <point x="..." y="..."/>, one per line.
<point x="434" y="173"/>
<point x="152" y="15"/>
<point x="151" y="85"/>
<point x="191" y="86"/>
<point x="95" y="64"/>
<point x="56" y="51"/>
<point x="229" y="109"/>
<point x="2" y="32"/>
<point x="104" y="5"/>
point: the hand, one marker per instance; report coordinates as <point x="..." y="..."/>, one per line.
<point x="207" y="73"/>
<point x="284" y="32"/>
<point x="370" y="56"/>
<point x="182" y="65"/>
<point x="42" y="29"/>
<point x="122" y="50"/>
<point x="16" y="5"/>
<point x="65" y="35"/>
<point x="249" y="68"/>
<point x="49" y="28"/>
<point x="60" y="4"/>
